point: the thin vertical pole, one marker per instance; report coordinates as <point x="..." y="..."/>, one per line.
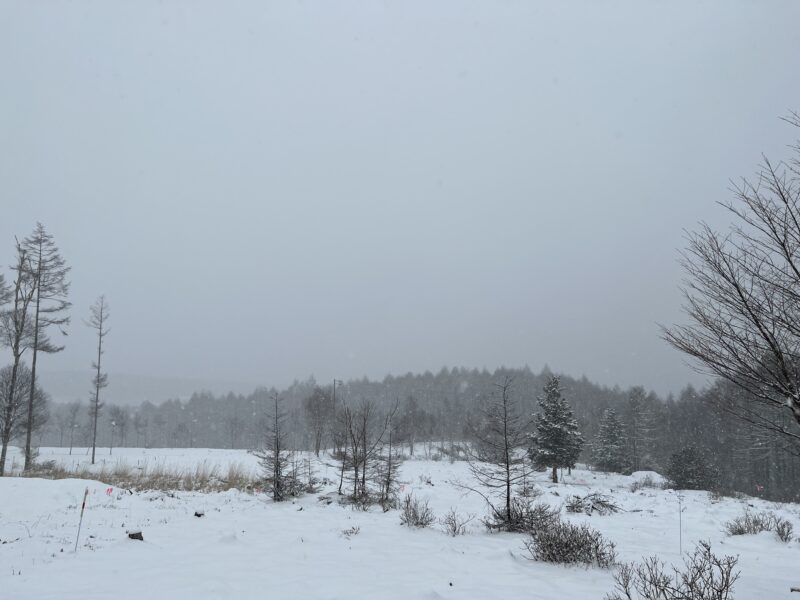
<point x="83" y="506"/>
<point x="680" y="524"/>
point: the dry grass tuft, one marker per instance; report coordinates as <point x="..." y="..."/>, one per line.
<point x="203" y="478"/>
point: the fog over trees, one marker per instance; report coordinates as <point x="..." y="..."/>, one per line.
<point x="435" y="410"/>
<point x="745" y="437"/>
<point x="740" y="433"/>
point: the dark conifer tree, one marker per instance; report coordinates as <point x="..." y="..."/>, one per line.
<point x="608" y="447"/>
<point x="557" y="442"/>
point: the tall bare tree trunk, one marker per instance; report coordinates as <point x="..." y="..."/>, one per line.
<point x="29" y="428"/>
<point x="9" y="419"/>
<point x="97" y="395"/>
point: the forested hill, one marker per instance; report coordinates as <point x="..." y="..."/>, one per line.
<point x="436" y="408"/>
<point x="443" y="402"/>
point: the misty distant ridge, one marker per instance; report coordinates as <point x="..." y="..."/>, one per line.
<point x="131" y="390"/>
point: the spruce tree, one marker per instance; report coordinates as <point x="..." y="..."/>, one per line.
<point x="557" y="441"/>
<point x="609" y="446"/>
<point x="691" y="469"/>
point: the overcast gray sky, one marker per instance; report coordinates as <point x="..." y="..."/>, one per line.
<point x="266" y="190"/>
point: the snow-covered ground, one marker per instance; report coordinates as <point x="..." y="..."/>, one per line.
<point x="247" y="547"/>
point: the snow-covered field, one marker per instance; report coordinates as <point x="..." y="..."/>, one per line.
<point x="247" y="547"/>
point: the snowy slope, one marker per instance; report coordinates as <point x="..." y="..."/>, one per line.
<point x="247" y="547"/>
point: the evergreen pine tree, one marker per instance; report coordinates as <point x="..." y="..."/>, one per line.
<point x="691" y="469"/>
<point x="609" y="446"/>
<point x="557" y="441"/>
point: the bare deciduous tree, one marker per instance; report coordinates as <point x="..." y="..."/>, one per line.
<point x="13" y="400"/>
<point x="72" y="418"/>
<point x="234" y="426"/>
<point x="363" y="432"/>
<point x="318" y="410"/>
<point x="99" y="322"/>
<point x="5" y="292"/>
<point x="742" y="296"/>
<point x="639" y="422"/>
<point x="15" y="327"/>
<point x="121" y="420"/>
<point x="387" y="469"/>
<point x="13" y="394"/>
<point x="140" y="424"/>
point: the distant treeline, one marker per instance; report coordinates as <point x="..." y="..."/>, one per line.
<point x="436" y="408"/>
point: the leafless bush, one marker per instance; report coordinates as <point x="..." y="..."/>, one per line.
<point x="354" y="530"/>
<point x="455" y="451"/>
<point x="590" y="504"/>
<point x="749" y="523"/>
<point x="574" y="504"/>
<point x="455" y="524"/>
<point x="416" y="513"/>
<point x="362" y="502"/>
<point x="703" y="577"/>
<point x="755" y="522"/>
<point x="784" y="529"/>
<point x="43" y="467"/>
<point x="390" y="503"/>
<point x="525" y="517"/>
<point x="565" y="543"/>
<point x="645" y="482"/>
<point x="529" y="491"/>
